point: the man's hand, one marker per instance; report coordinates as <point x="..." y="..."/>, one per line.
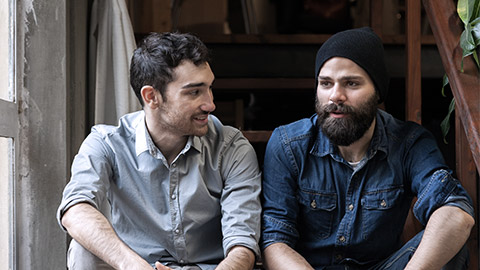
<point x="159" y="266"/>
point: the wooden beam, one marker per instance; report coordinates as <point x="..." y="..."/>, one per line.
<point x="413" y="73"/>
<point x="264" y="83"/>
<point x="255" y="136"/>
<point x="447" y="28"/>
<point x="293" y="39"/>
<point x="468" y="176"/>
<point x="376" y="16"/>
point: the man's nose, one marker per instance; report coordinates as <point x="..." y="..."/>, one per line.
<point x="208" y="104"/>
<point x="337" y="95"/>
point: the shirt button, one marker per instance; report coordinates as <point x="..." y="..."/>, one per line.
<point x="383" y="203"/>
<point x="313" y="204"/>
<point x="342" y="239"/>
<point x="177" y="231"/>
<point x="350" y="207"/>
<point x="174" y="165"/>
<point x="182" y="261"/>
<point x="173" y="197"/>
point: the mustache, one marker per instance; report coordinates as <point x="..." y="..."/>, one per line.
<point x="332" y="107"/>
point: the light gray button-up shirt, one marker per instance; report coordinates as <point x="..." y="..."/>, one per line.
<point x="191" y="212"/>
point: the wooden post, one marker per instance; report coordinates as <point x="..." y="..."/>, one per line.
<point x="413" y="92"/>
<point x="468" y="176"/>
<point x="376" y="16"/>
<point x="150" y="15"/>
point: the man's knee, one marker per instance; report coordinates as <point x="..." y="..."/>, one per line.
<point x="78" y="258"/>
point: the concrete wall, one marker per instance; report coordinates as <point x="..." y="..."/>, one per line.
<point x="43" y="92"/>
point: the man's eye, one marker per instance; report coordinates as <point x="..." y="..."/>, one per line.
<point x="352" y="83"/>
<point x="194" y="92"/>
<point x="324" y="84"/>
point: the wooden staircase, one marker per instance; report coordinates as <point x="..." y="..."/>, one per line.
<point x="447" y="28"/>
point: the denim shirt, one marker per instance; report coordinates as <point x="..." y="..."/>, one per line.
<point x="192" y="211"/>
<point x="333" y="213"/>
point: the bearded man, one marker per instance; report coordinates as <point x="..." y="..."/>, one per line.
<point x="338" y="186"/>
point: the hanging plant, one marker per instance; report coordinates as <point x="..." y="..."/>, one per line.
<point x="469" y="13"/>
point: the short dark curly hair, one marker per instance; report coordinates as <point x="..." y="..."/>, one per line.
<point x="158" y="54"/>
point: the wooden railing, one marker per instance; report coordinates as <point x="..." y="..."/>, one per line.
<point x="447" y="28"/>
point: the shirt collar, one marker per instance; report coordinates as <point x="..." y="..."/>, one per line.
<point x="379" y="140"/>
<point x="141" y="134"/>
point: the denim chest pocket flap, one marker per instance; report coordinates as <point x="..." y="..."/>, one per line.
<point x="318" y="210"/>
<point x="318" y="201"/>
<point x="382" y="199"/>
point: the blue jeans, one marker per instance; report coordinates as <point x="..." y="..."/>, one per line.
<point x="400" y="259"/>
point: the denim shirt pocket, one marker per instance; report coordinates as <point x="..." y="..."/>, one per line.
<point x="316" y="213"/>
<point x="380" y="208"/>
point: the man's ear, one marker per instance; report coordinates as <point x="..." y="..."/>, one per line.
<point x="150" y="97"/>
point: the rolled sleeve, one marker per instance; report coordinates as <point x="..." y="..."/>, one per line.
<point x="91" y="173"/>
<point x="442" y="189"/>
<point x="240" y="199"/>
<point x="275" y="231"/>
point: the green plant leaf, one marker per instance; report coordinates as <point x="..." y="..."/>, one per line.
<point x="475" y="24"/>
<point x="445" y="125"/>
<point x="465" y="10"/>
<point x="476" y="9"/>
<point x="466" y="41"/>
<point x="445" y="82"/>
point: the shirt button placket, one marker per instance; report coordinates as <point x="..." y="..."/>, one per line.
<point x="175" y="211"/>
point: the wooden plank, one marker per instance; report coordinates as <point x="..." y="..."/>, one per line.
<point x="264" y="83"/>
<point x="254" y="136"/>
<point x="413" y="78"/>
<point x="265" y="38"/>
<point x="376" y="11"/>
<point x="468" y="176"/>
<point x="294" y="39"/>
<point x="150" y="15"/>
<point x="465" y="86"/>
<point x="239" y="112"/>
<point x="447" y="28"/>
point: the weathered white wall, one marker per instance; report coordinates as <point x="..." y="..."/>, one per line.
<point x="42" y="85"/>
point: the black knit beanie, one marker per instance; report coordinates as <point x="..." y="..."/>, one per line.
<point x="363" y="47"/>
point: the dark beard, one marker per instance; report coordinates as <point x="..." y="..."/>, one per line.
<point x="347" y="130"/>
